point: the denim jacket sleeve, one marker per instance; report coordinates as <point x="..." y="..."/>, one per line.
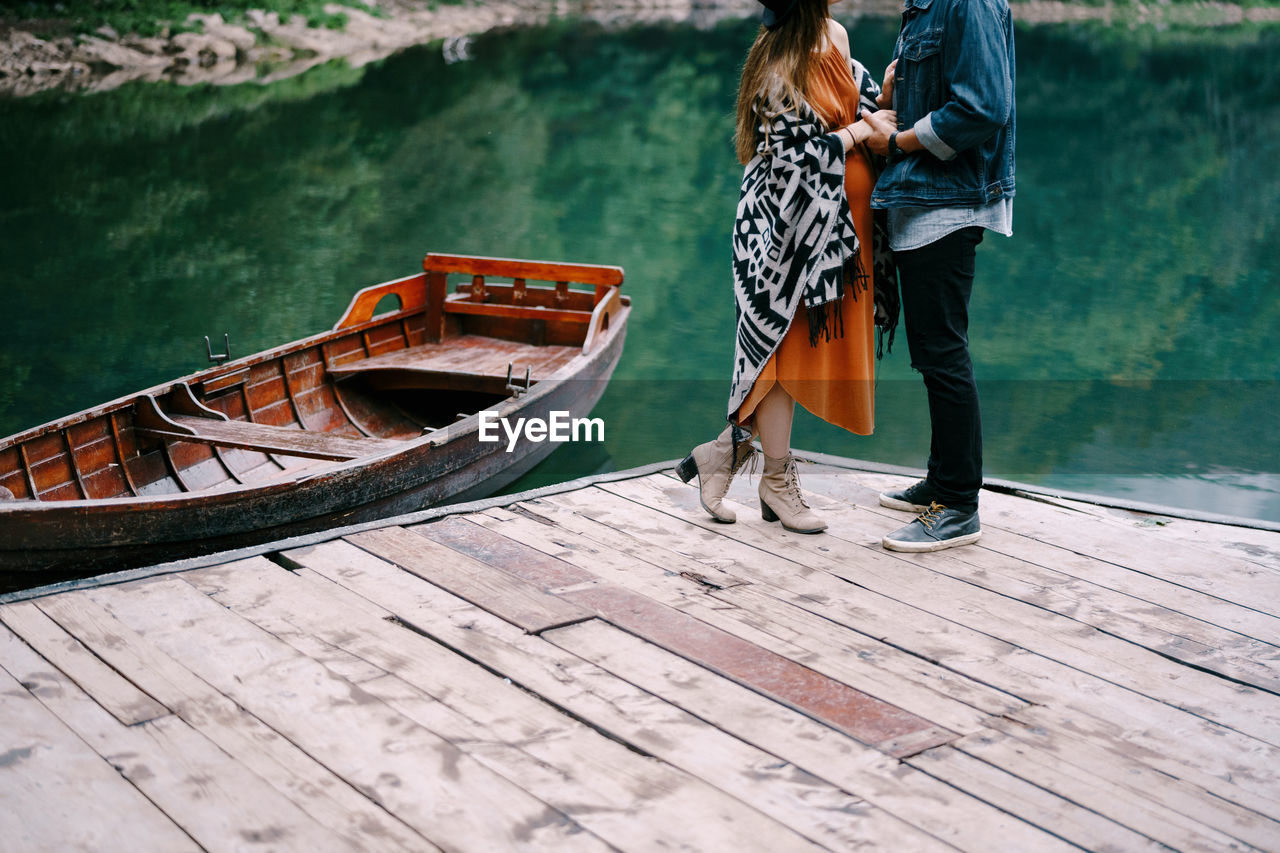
<point x="976" y="64"/>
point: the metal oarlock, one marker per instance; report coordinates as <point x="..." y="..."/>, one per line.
<point x="516" y="390"/>
<point x="218" y="358"/>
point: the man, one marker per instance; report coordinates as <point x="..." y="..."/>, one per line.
<point x="949" y="179"/>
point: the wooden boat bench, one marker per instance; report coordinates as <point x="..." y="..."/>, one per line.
<point x="205" y="426"/>
<point x="461" y="362"/>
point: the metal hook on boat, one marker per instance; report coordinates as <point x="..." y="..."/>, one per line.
<point x="516" y="390"/>
<point x="218" y="358"/>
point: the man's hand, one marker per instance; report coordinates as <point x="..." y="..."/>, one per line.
<point x="883" y="123"/>
<point x="885" y="99"/>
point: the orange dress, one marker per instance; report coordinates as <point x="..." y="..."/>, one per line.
<point x="836" y="379"/>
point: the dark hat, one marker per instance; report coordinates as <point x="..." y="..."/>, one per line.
<point x="775" y="12"/>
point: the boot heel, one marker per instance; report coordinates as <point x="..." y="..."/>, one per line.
<point x="766" y="513"/>
<point x="688" y="469"/>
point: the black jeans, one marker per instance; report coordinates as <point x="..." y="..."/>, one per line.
<point x="936" y="282"/>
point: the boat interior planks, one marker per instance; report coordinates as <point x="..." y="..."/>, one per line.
<point x="600" y="666"/>
<point x="378" y="416"/>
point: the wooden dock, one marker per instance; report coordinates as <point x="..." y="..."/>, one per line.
<point x="605" y="668"/>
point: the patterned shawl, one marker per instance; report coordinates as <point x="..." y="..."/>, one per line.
<point x="793" y="235"/>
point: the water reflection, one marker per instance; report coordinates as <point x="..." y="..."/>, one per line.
<point x="1127" y="332"/>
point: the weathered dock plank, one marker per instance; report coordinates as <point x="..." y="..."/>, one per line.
<point x="1143" y="551"/>
<point x="1033" y="803"/>
<point x="58" y="793"/>
<point x="617" y="528"/>
<point x="917" y="798"/>
<point x="118" y="696"/>
<point x="1063" y="568"/>
<point x="799" y="800"/>
<point x="216" y="800"/>
<point x="603" y="667"/>
<point x="516" y="735"/>
<point x="509" y="597"/>
<point x="1082" y="647"/>
<point x="414" y="774"/>
<point x="324" y="796"/>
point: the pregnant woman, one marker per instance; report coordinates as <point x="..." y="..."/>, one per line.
<point x="803" y="257"/>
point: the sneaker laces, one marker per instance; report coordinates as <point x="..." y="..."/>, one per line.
<point x="931" y="515"/>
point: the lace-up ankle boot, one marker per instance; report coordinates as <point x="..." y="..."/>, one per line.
<point x="781" y="500"/>
<point x="714" y="464"/>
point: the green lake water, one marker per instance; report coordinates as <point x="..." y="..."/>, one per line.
<point x="1127" y="338"/>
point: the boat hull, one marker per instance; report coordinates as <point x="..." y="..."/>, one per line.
<point x="48" y="541"/>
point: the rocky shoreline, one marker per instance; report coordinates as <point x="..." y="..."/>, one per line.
<point x="265" y="48"/>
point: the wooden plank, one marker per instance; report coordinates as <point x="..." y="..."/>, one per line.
<point x="1123" y="805"/>
<point x="322" y="794"/>
<point x="934" y="807"/>
<point x="446" y="357"/>
<point x="867" y="718"/>
<point x="791" y="796"/>
<point x="59" y="794"/>
<point x="893" y="730"/>
<point x="513" y="599"/>
<point x="411" y="772"/>
<point x="214" y="799"/>
<point x="270" y="439"/>
<point x="1233" y="766"/>
<point x="1069" y="567"/>
<point x="596" y="551"/>
<point x="850" y="660"/>
<point x="468" y="536"/>
<point x="908" y="578"/>
<point x="594" y="274"/>
<point x="649" y="540"/>
<point x="336" y="660"/>
<point x="454" y="305"/>
<point x="1255" y="545"/>
<point x="1165" y="632"/>
<point x="1043" y="808"/>
<point x="1120" y="764"/>
<point x="118" y="696"/>
<point x="611" y="791"/>
<point x="1138" y="549"/>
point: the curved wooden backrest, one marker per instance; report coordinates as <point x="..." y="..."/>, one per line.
<point x="410" y="290"/>
<point x="606" y="309"/>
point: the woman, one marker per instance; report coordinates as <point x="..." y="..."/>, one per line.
<point x="802" y="251"/>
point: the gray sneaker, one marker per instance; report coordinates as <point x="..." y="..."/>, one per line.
<point x="914" y="498"/>
<point x="934" y="529"/>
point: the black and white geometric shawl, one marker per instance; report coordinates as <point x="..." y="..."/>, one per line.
<point x="793" y="235"/>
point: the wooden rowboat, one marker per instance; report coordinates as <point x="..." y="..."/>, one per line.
<point x="380" y="416"/>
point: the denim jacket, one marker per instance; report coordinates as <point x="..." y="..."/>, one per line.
<point x="955" y="85"/>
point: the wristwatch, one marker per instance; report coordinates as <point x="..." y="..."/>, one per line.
<point x="894" y="150"/>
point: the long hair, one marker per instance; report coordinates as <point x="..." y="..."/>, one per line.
<point x="777" y="68"/>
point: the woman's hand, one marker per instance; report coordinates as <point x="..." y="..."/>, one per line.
<point x="885" y="99"/>
<point x="883" y="123"/>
